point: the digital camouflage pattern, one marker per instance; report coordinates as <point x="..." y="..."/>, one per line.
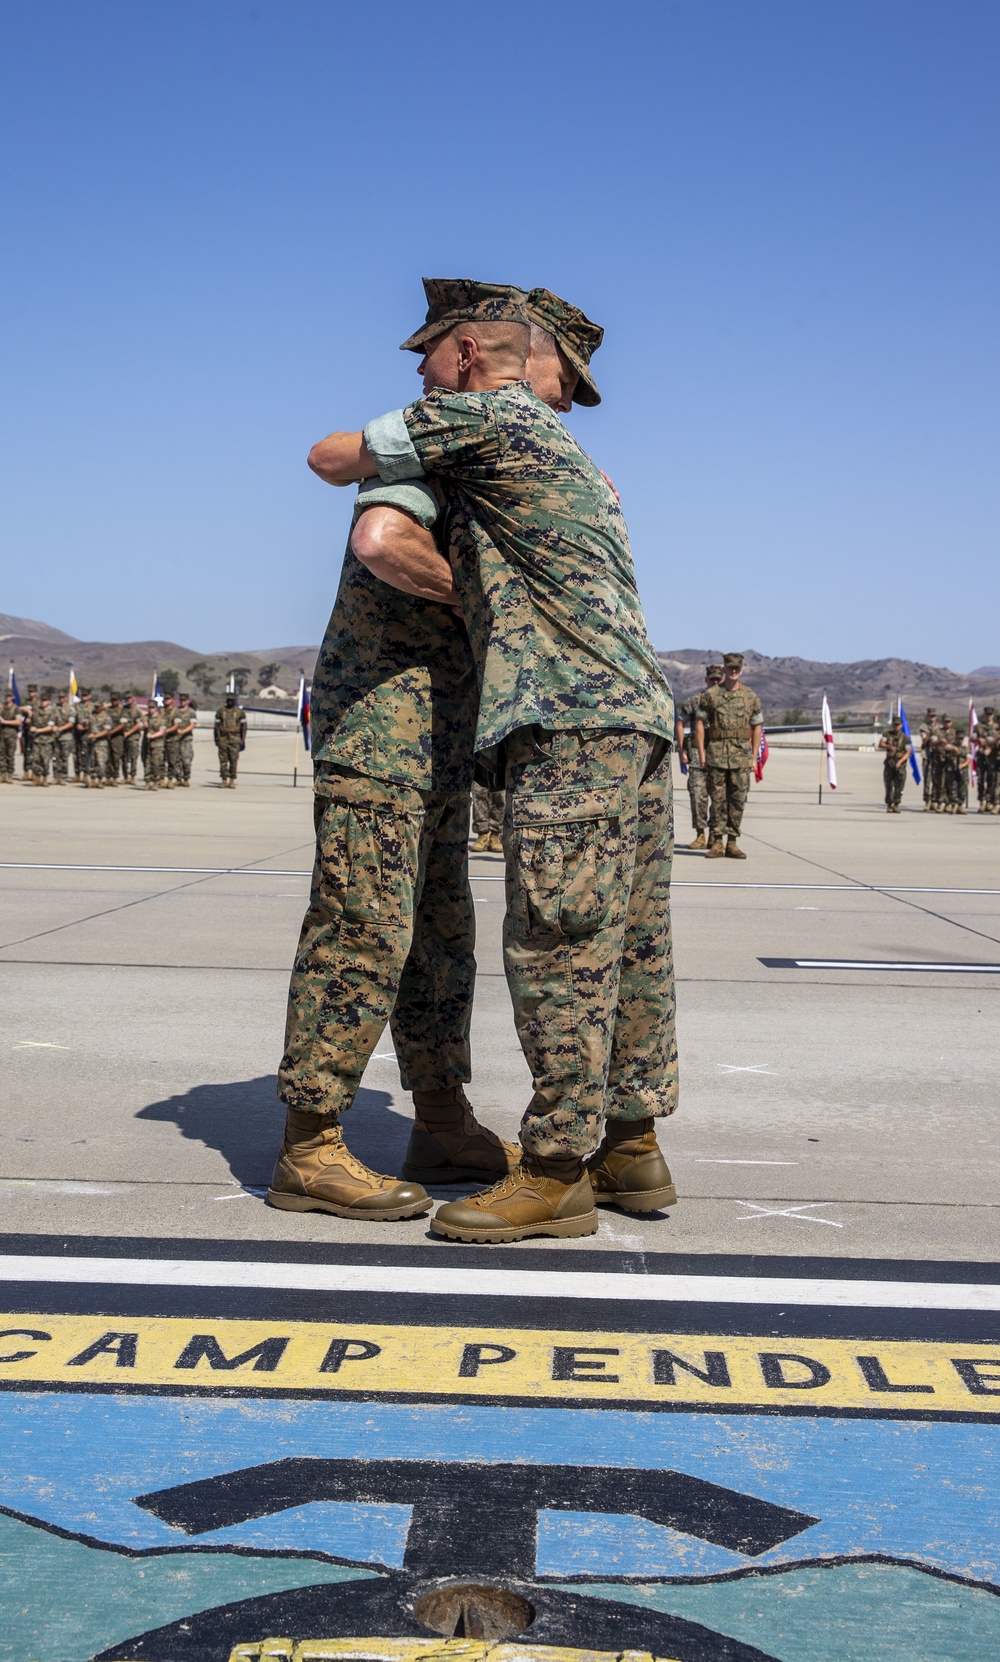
<point x="389" y="935"/>
<point x="897" y="747"/>
<point x="230" y="736"/>
<point x="10" y="730"/>
<point x="697" y="776"/>
<point x="576" y="335"/>
<point x="452" y="300"/>
<point x="588" y="839"/>
<point x="540" y="552"/>
<point x="730" y="718"/>
<point x="153" y="751"/>
<point x="487" y="811"/>
<point x="42" y="738"/>
<point x="728" y="789"/>
<point x="394" y="694"/>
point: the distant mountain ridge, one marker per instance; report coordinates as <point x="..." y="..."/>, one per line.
<point x="785" y="684"/>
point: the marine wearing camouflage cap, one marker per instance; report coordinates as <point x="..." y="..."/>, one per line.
<point x="452" y="300"/>
<point x="732" y="660"/>
<point x="577" y="338"/>
<point x="714" y="669"/>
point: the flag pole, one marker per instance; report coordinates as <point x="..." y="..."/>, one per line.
<point x="822" y="754"/>
<point x="295" y="763"/>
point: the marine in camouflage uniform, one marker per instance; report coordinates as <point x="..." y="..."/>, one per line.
<point x="728" y="727"/>
<point x="186" y="718"/>
<point x="687" y="749"/>
<point x="576" y="718"/>
<point x="394" y="713"/>
<point x="230" y="737"/>
<point x="27" y="712"/>
<point x="43" y="735"/>
<point x="132" y="735"/>
<point x="897" y="747"/>
<point x="985" y="734"/>
<point x="116" y="741"/>
<point x="82" y="714"/>
<point x="955" y="768"/>
<point x="487" y="819"/>
<point x="153" y="754"/>
<point x="10" y="729"/>
<point x="930" y="744"/>
<point x="64" y="749"/>
<point x="171" y="744"/>
<point x="101" y="726"/>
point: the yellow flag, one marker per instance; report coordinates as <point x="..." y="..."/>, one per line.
<point x="72" y="682"/>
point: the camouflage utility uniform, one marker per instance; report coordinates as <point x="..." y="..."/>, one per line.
<point x="897" y="747"/>
<point x="43" y="738"/>
<point x="186" y="715"/>
<point x="730" y="718"/>
<point x="955" y="769"/>
<point x="389" y="935"/>
<point x="987" y="737"/>
<point x="10" y="728"/>
<point x="64" y="749"/>
<point x="154" y="740"/>
<point x="931" y="759"/>
<point x="697" y="776"/>
<point x="576" y="720"/>
<point x="101" y="725"/>
<point x="116" y="743"/>
<point x="230" y="737"/>
<point x="83" y="715"/>
<point x="131" y="739"/>
<point x="487" y="814"/>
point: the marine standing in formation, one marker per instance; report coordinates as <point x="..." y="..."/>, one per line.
<point x="10" y="727"/>
<point x="897" y="747"/>
<point x="687" y="750"/>
<point x="230" y="738"/>
<point x="728" y="726"/>
<point x="101" y="743"/>
<point x="987" y="737"/>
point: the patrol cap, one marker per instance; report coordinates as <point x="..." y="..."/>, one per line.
<point x="932" y="712"/>
<point x="462" y="300"/>
<point x="714" y="669"/>
<point x="575" y="335"/>
<point x="989" y="710"/>
<point x="732" y="660"/>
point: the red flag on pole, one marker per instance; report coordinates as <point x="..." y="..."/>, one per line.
<point x="831" y="759"/>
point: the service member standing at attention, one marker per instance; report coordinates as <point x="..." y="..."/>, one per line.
<point x="64" y="749"/>
<point x="897" y="747"/>
<point x="687" y="750"/>
<point x="575" y="709"/>
<point x="10" y="728"/>
<point x="100" y="746"/>
<point x="487" y="820"/>
<point x="132" y="731"/>
<point x="43" y="736"/>
<point x="116" y="740"/>
<point x="154" y="741"/>
<point x="27" y="715"/>
<point x="728" y="727"/>
<point x="186" y="719"/>
<point x="230" y="737"/>
<point x="82" y="716"/>
<point x="170" y="743"/>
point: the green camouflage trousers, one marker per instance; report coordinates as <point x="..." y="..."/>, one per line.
<point x="588" y="839"/>
<point x="229" y="756"/>
<point x="41" y="756"/>
<point x="388" y="936"/>
<point x="487" y="810"/>
<point x="8" y="749"/>
<point x="893" y="778"/>
<point x="729" y="789"/>
<point x="699" y="799"/>
<point x="63" y="754"/>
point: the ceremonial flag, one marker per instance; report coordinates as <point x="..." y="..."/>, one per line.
<point x="73" y="689"/>
<point x="913" y="754"/>
<point x="762" y="754"/>
<point x="831" y="759"/>
<point x="231" y="684"/>
<point x="12" y="684"/>
<point x="157" y="693"/>
<point x="305" y="710"/>
<point x="973" y="746"/>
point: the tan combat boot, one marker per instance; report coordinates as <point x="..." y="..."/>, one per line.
<point x="629" y="1170"/>
<point x="699" y="841"/>
<point x="481" y="844"/>
<point x="715" y="849"/>
<point x="733" y="850"/>
<point x="316" y="1172"/>
<point x="448" y="1145"/>
<point x="496" y="844"/>
<point x="539" y="1197"/>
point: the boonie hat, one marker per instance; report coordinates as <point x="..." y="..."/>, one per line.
<point x="462" y="300"/>
<point x="574" y="333"/>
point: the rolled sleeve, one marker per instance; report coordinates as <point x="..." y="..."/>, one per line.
<point x="392" y="448"/>
<point x="409" y="496"/>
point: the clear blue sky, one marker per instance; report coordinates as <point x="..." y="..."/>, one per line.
<point x="216" y="216"/>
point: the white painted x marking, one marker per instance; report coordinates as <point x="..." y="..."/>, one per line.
<point x="732" y="1067"/>
<point x="798" y="1212"/>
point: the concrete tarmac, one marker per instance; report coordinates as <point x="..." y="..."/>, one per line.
<point x="146" y="942"/>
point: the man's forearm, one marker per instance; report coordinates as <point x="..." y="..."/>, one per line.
<point x="403" y="554"/>
<point x="343" y="459"/>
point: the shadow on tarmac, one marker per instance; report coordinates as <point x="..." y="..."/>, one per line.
<point x="243" y="1120"/>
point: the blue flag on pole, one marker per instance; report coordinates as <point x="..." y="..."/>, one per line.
<point x="12" y="684"/>
<point x="914" y="764"/>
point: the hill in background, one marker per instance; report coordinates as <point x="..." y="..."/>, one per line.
<point x="789" y="688"/>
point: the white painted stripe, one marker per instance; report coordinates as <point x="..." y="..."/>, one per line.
<point x="490" y="877"/>
<point x="870" y="964"/>
<point x="572" y="1284"/>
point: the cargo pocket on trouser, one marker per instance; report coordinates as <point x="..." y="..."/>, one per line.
<point x="565" y="862"/>
<point x="566" y="903"/>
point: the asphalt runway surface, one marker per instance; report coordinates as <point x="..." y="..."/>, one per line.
<point x="759" y="1425"/>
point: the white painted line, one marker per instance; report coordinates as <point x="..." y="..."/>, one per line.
<point x="755" y="1213"/>
<point x="703" y="1160"/>
<point x="572" y="1284"/>
<point x="491" y="877"/>
<point x="870" y="964"/>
